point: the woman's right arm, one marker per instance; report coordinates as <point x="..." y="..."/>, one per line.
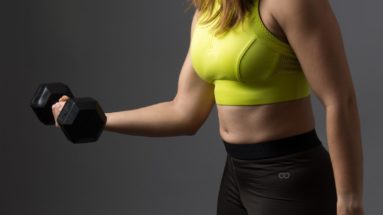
<point x="183" y="115"/>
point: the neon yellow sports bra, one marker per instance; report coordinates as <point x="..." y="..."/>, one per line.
<point x="248" y="65"/>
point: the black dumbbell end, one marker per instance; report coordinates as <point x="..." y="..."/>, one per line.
<point x="45" y="96"/>
<point x="82" y="120"/>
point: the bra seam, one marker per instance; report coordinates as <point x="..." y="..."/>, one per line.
<point x="240" y="57"/>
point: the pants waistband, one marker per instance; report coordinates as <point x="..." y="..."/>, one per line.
<point x="273" y="148"/>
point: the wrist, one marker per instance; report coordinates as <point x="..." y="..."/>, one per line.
<point x="107" y="123"/>
<point x="354" y="196"/>
<point x="355" y="209"/>
<point x="350" y="201"/>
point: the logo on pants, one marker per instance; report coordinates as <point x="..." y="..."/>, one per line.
<point x="283" y="175"/>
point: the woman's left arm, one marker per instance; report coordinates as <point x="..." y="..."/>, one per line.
<point x="314" y="34"/>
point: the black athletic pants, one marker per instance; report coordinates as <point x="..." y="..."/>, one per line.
<point x="288" y="176"/>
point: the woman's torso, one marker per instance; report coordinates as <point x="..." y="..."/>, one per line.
<point x="253" y="124"/>
<point x="257" y="123"/>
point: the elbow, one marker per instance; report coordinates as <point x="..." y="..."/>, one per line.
<point x="192" y="127"/>
<point x="346" y="101"/>
<point x="191" y="130"/>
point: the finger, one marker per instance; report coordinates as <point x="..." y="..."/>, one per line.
<point x="57" y="105"/>
<point x="58" y="110"/>
<point x="64" y="98"/>
<point x="54" y="113"/>
<point x="55" y="110"/>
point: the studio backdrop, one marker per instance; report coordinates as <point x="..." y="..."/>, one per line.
<point x="126" y="55"/>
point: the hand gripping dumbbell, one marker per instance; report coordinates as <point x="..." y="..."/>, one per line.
<point x="81" y="119"/>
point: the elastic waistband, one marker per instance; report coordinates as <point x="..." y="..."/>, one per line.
<point x="273" y="148"/>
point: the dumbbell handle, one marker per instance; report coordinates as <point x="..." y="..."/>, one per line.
<point x="64" y="111"/>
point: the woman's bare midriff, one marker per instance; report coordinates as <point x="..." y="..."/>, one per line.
<point x="257" y="123"/>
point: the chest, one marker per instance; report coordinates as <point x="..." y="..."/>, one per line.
<point x="240" y="54"/>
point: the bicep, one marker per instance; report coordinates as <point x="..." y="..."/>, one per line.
<point x="194" y="97"/>
<point x="314" y="34"/>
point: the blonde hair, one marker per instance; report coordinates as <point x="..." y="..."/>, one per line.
<point x="230" y="13"/>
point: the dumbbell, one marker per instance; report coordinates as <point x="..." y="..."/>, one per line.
<point x="82" y="119"/>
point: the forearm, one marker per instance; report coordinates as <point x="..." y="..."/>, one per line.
<point x="345" y="148"/>
<point x="161" y="119"/>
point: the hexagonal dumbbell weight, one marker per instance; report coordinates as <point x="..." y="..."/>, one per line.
<point x="81" y="119"/>
<point x="45" y="96"/>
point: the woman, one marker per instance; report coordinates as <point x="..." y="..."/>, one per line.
<point x="257" y="60"/>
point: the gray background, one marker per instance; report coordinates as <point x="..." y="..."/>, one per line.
<point x="128" y="54"/>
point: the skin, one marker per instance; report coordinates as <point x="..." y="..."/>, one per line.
<point x="311" y="29"/>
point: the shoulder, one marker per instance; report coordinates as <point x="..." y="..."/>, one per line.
<point x="194" y="21"/>
<point x="306" y="13"/>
